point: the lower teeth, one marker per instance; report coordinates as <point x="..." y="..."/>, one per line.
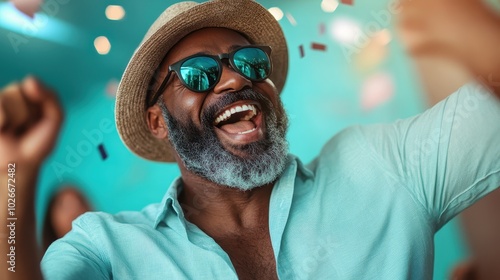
<point x="248" y="131"/>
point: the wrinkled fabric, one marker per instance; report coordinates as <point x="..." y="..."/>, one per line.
<point x="366" y="208"/>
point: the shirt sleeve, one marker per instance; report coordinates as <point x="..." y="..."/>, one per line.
<point x="76" y="256"/>
<point x="449" y="156"/>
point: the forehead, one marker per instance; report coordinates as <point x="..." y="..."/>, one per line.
<point x="206" y="40"/>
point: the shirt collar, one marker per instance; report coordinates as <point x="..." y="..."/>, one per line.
<point x="170" y="202"/>
<point x="171" y="210"/>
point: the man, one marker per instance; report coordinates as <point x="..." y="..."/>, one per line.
<point x="367" y="207"/>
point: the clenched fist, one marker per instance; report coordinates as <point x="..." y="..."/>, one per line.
<point x="444" y="27"/>
<point x="467" y="31"/>
<point x="30" y="119"/>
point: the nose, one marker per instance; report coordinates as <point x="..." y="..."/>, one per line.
<point x="231" y="81"/>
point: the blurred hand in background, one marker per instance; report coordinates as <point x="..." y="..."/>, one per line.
<point x="441" y="27"/>
<point x="30" y="119"/>
<point x="450" y="41"/>
<point x="465" y="31"/>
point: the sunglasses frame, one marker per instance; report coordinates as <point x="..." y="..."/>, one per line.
<point x="176" y="67"/>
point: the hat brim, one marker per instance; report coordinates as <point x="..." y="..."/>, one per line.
<point x="246" y="17"/>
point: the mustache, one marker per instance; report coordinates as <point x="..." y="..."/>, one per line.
<point x="209" y="114"/>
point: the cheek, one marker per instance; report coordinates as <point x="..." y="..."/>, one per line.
<point x="185" y="106"/>
<point x="267" y="86"/>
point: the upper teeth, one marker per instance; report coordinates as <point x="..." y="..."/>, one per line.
<point x="227" y="114"/>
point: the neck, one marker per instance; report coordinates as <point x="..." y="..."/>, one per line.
<point x="214" y="207"/>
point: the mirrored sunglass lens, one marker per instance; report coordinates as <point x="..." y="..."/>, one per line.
<point x="253" y="63"/>
<point x="199" y="73"/>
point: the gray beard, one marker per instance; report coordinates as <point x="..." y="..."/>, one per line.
<point x="203" y="154"/>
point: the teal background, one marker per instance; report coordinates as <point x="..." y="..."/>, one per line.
<point x="322" y="96"/>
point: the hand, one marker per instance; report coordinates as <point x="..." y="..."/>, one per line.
<point x="30" y="119"/>
<point x="443" y="27"/>
<point x="464" y="271"/>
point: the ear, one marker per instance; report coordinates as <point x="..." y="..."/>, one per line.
<point x="156" y="123"/>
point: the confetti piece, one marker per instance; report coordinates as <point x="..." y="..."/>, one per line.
<point x="322" y="28"/>
<point x="376" y="91"/>
<point x="28" y="7"/>
<point x="112" y="87"/>
<point x="384" y="36"/>
<point x="347" y="2"/>
<point x="346" y="31"/>
<point x="291" y="19"/>
<point x="318" y="46"/>
<point x="301" y="50"/>
<point x="374" y="53"/>
<point x="276" y="12"/>
<point x="102" y="151"/>
<point x="329" y="6"/>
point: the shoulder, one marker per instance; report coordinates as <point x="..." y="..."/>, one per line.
<point x="356" y="150"/>
<point x="101" y="220"/>
<point x="342" y="146"/>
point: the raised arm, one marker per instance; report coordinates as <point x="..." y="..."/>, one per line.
<point x="464" y="34"/>
<point x="467" y="31"/>
<point x="30" y="119"/>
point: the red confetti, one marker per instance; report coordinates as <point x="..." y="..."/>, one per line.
<point x="318" y="47"/>
<point x="347" y="2"/>
<point x="28" y="7"/>
<point x="301" y="50"/>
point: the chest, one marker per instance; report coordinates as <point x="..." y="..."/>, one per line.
<point x="251" y="254"/>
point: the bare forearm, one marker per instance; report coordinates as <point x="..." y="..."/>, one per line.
<point x="483" y="55"/>
<point x="482" y="230"/>
<point x="27" y="135"/>
<point x="19" y="249"/>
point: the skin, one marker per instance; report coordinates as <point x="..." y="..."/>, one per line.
<point x="229" y="215"/>
<point x="184" y="104"/>
<point x="465" y="32"/>
<point x="433" y="27"/>
<point x="27" y="148"/>
<point x="64" y="207"/>
<point x="467" y="38"/>
<point x="68" y="205"/>
<point x="481" y="227"/>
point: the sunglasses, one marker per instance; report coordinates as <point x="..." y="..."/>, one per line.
<point x="201" y="72"/>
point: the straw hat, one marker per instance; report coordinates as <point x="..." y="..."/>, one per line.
<point x="245" y="16"/>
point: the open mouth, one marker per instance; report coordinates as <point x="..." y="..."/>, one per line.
<point x="241" y="121"/>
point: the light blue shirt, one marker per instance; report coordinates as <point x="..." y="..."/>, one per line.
<point x="366" y="208"/>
